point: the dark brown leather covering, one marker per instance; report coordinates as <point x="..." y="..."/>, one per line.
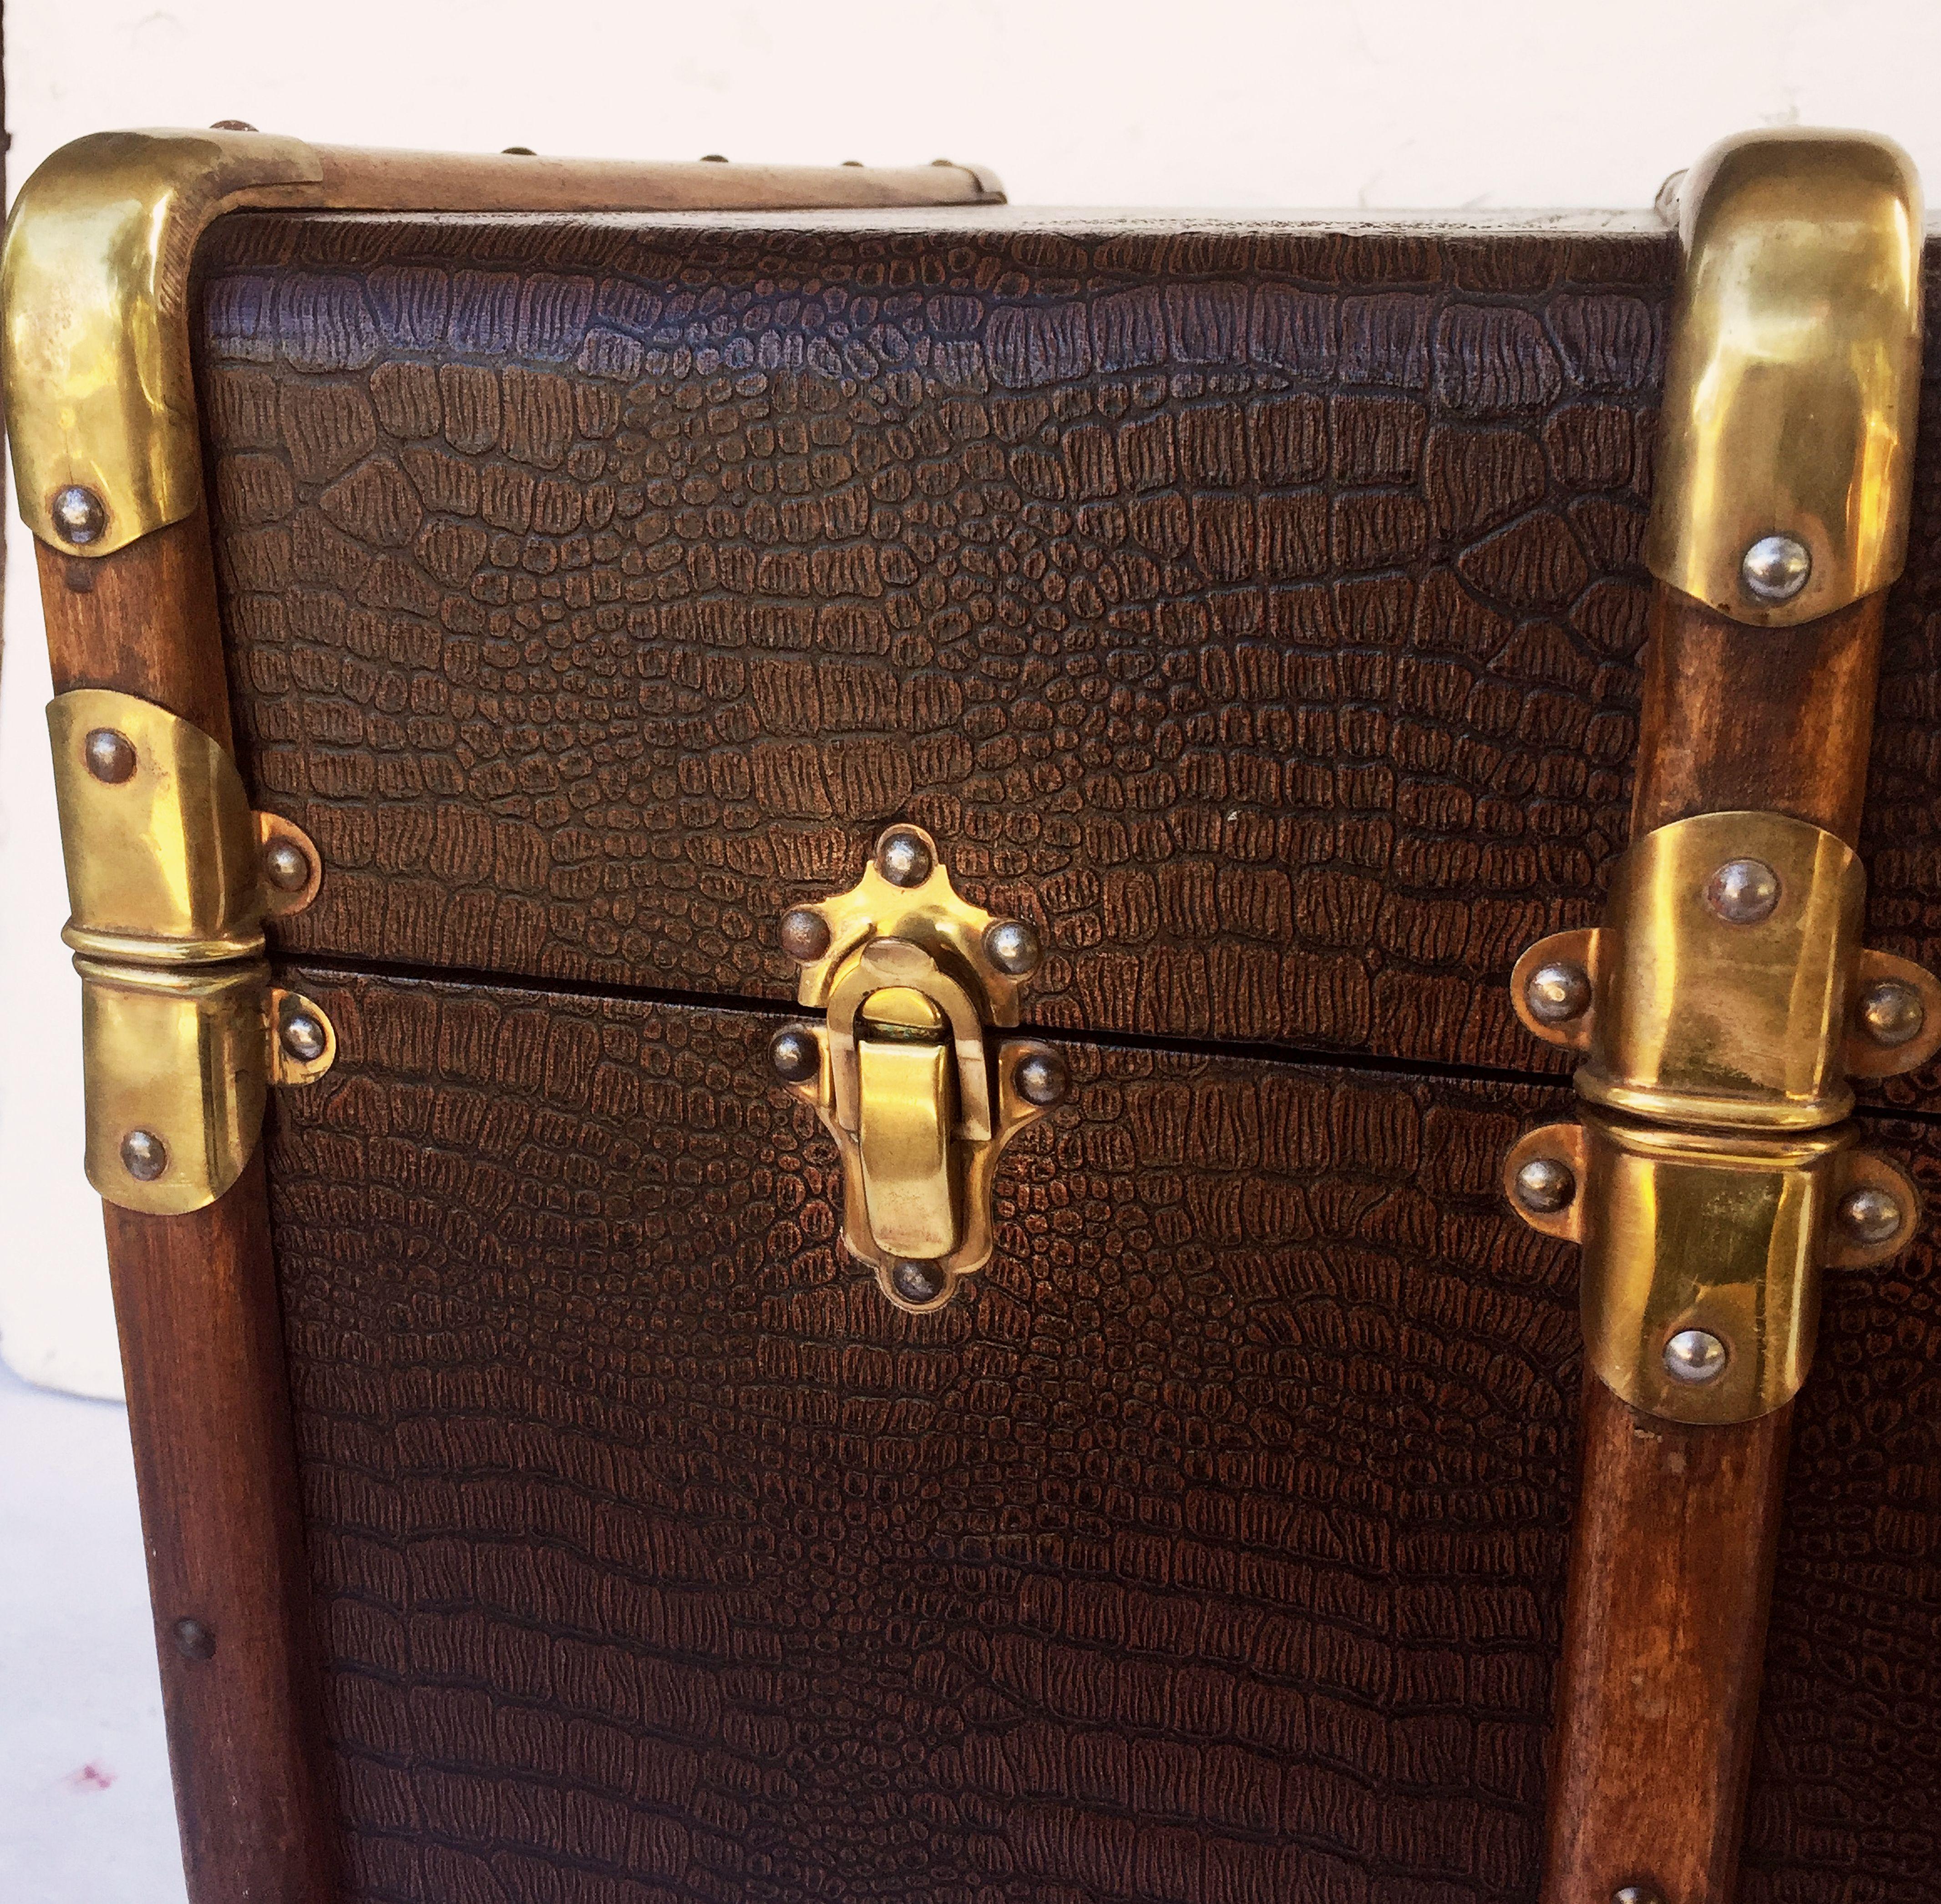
<point x="1211" y="1549"/>
<point x="1255" y="608"/>
<point x="1258" y="608"/>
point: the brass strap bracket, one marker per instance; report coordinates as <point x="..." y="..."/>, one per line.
<point x="170" y="875"/>
<point x="909" y="976"/>
<point x="1721" y="1008"/>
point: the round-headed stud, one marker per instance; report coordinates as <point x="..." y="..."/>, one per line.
<point x="1870" y="1214"/>
<point x="1742" y="891"/>
<point x="902" y="858"/>
<point x="1774" y="569"/>
<point x="80" y="515"/>
<point x="1891" y="1013"/>
<point x="1694" y="1356"/>
<point x="919" y="1282"/>
<point x="1042" y="1078"/>
<point x="286" y="866"/>
<point x="1012" y="947"/>
<point x="795" y="1054"/>
<point x="1636" y="1894"/>
<point x="193" y="1639"/>
<point x="804" y="934"/>
<point x="1557" y="992"/>
<point x="303" y="1036"/>
<point x="1545" y="1185"/>
<point x="110" y="755"/>
<point x="144" y="1156"/>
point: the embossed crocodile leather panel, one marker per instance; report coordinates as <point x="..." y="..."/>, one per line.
<point x="1212" y="1550"/>
<point x="1254" y="607"/>
<point x="1846" y="1792"/>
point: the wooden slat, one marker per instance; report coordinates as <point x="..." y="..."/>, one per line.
<point x="196" y="1303"/>
<point x="1676" y="1529"/>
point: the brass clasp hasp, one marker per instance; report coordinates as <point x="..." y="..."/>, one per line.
<point x="908" y="976"/>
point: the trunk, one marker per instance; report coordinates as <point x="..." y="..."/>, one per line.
<point x="747" y="1365"/>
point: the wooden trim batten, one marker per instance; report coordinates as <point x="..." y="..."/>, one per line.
<point x="197" y="1308"/>
<point x="1677" y="1527"/>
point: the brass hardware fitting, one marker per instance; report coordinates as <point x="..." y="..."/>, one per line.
<point x="908" y="975"/>
<point x="170" y="875"/>
<point x="1722" y="1233"/>
<point x="1787" y="436"/>
<point x="1721" y="1007"/>
<point x="1688" y="1015"/>
<point x="94" y="282"/>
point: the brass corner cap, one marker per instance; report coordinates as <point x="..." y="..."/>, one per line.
<point x="93" y="330"/>
<point x="1792" y="379"/>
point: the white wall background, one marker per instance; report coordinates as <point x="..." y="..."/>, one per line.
<point x="1300" y="103"/>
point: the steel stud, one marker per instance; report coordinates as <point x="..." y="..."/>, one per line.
<point x="1694" y="1356"/>
<point x="1775" y="568"/>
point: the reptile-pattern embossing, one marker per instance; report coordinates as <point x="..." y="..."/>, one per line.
<point x="1254" y="608"/>
<point x="1845" y="1803"/>
<point x="1211" y="1549"/>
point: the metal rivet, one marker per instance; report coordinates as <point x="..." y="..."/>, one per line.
<point x="286" y="866"/>
<point x="1870" y="1214"/>
<point x="919" y="1282"/>
<point x="795" y="1054"/>
<point x="1545" y="1185"/>
<point x="902" y="858"/>
<point x="303" y="1036"/>
<point x="1743" y="891"/>
<point x="1012" y="947"/>
<point x="1636" y="1894"/>
<point x="1558" y="993"/>
<point x="193" y="1639"/>
<point x="1775" y="568"/>
<point x="80" y="515"/>
<point x="1694" y="1356"/>
<point x="110" y="756"/>
<point x="144" y="1156"/>
<point x="804" y="934"/>
<point x="1041" y="1077"/>
<point x="1892" y="1012"/>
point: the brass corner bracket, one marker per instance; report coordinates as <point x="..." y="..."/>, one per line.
<point x="908" y="975"/>
<point x="1786" y="435"/>
<point x="94" y="354"/>
<point x="1721" y="1008"/>
<point x="170" y="876"/>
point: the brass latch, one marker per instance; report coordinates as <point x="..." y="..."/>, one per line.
<point x="908" y="975"/>
<point x="1721" y="1008"/>
<point x="170" y="875"/>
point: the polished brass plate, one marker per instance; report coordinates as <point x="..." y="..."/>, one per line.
<point x="1794" y="378"/>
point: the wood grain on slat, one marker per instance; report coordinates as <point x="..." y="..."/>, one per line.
<point x="196" y="1304"/>
<point x="1672" y="1551"/>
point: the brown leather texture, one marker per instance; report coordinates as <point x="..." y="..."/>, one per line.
<point x="1255" y="608"/>
<point x="1211" y="1549"/>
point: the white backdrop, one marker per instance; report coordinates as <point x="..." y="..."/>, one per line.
<point x="1301" y="103"/>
